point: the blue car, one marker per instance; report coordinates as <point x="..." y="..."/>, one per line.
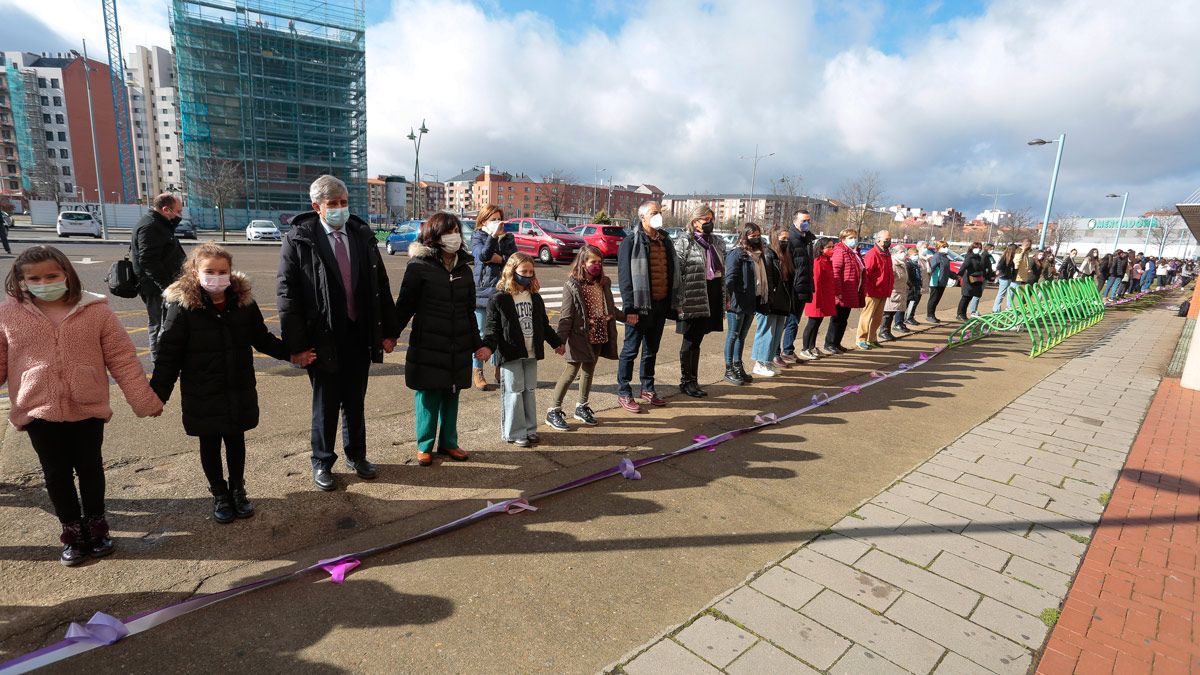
<point x="403" y="234"/>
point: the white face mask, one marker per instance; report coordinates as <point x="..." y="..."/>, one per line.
<point x="656" y="221"/>
<point x="491" y="227"/>
<point x="214" y="283"/>
<point x="451" y="242"/>
<point x="976" y="250"/>
<point x="944" y="249"/>
<point x="852" y="242"/>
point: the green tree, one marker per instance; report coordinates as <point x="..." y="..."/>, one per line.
<point x="602" y="217"/>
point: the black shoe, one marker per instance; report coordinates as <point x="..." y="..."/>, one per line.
<point x="75" y="548"/>
<point x="831" y="351"/>
<point x="222" y="505"/>
<point x="913" y="321"/>
<point x="584" y="414"/>
<point x="556" y="419"/>
<point x="901" y="331"/>
<point x="886" y="336"/>
<point x="731" y="374"/>
<point x="741" y="371"/>
<point x="95" y="528"/>
<point x="324" y="479"/>
<point x="840" y="349"/>
<point x="362" y="468"/>
<point x="932" y="319"/>
<point x="690" y="389"/>
<point x="242" y="508"/>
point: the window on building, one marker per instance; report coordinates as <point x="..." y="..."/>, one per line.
<point x="5" y="134"/>
<point x="170" y="173"/>
<point x="68" y="188"/>
<point x="165" y="111"/>
<point x="59" y="119"/>
<point x="162" y="98"/>
<point x="45" y="118"/>
<point x="49" y="135"/>
<point x="13" y="185"/>
<point x="41" y="83"/>
<point x="58" y="100"/>
<point x="45" y="100"/>
<point x="51" y="153"/>
<point x="66" y="171"/>
<point x="166" y="149"/>
<point x="12" y="168"/>
<point x="62" y="136"/>
<point x="166" y="124"/>
<point x="169" y="161"/>
<point x="63" y="153"/>
<point x="54" y="83"/>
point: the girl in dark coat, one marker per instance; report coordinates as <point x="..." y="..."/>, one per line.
<point x="742" y="290"/>
<point x="211" y="324"/>
<point x="438" y="297"/>
<point x="972" y="276"/>
<point x="587" y="325"/>
<point x="699" y="294"/>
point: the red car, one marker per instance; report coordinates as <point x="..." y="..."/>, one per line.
<point x="547" y="240"/>
<point x="607" y="238"/>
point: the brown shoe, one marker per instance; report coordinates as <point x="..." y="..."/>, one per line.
<point x="425" y="458"/>
<point x="497" y="375"/>
<point x="456" y="454"/>
<point x="477" y="379"/>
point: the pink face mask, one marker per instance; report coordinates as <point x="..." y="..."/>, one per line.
<point x="214" y="283"/>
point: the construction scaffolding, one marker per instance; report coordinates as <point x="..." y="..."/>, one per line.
<point x="29" y="130"/>
<point x="277" y="87"/>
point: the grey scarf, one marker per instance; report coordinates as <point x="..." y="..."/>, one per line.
<point x="639" y="271"/>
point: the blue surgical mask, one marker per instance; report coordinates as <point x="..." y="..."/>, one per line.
<point x="805" y="225"/>
<point x="49" y="292"/>
<point x="337" y="218"/>
<point x="522" y="280"/>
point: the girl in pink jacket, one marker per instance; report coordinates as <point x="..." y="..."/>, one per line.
<point x="58" y="344"/>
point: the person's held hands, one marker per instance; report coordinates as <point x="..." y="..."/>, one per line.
<point x="483" y="354"/>
<point x="388" y="345"/>
<point x="560" y="350"/>
<point x="631" y="319"/>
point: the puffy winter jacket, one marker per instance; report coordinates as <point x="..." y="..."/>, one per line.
<point x="824" y="302"/>
<point x="847" y="277"/>
<point x="741" y="294"/>
<point x="156" y="254"/>
<point x="800" y="246"/>
<point x="878" y="278"/>
<point x="898" y="298"/>
<point x="440" y="304"/>
<point x="691" y="294"/>
<point x="209" y="351"/>
<point x="487" y="273"/>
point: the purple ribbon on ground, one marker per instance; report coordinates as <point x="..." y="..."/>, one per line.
<point x="766" y="418"/>
<point x="700" y="438"/>
<point x="627" y="470"/>
<point x="820" y="398"/>
<point x="852" y="389"/>
<point x="101" y="629"/>
<point x="876" y="375"/>
<point x="338" y="568"/>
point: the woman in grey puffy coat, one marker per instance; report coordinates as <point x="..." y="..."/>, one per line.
<point x="699" y="293"/>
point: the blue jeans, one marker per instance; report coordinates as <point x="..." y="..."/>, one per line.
<point x="644" y="336"/>
<point x="1002" y="294"/>
<point x="737" y="327"/>
<point x="1111" y="286"/>
<point x="518" y="400"/>
<point x="480" y="316"/>
<point x="790" y="328"/>
<point x="766" y="336"/>
<point x="1147" y="279"/>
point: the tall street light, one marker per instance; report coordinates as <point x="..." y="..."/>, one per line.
<point x="754" y="175"/>
<point x="1062" y="140"/>
<point x="87" y="78"/>
<point x="1120" y="221"/>
<point x="595" y="189"/>
<point x="415" y="137"/>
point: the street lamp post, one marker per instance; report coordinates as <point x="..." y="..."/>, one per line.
<point x="595" y="189"/>
<point x="1120" y="221"/>
<point x="754" y="175"/>
<point x="415" y="137"/>
<point x="1061" y="140"/>
<point x="87" y="78"/>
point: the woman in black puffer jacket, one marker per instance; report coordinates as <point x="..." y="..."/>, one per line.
<point x="438" y="297"/>
<point x="211" y="325"/>
<point x="972" y="275"/>
<point x="797" y="242"/>
<point x="699" y="294"/>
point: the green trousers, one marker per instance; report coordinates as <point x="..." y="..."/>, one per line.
<point x="436" y="407"/>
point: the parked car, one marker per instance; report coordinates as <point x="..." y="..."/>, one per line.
<point x="547" y="240"/>
<point x="258" y="230"/>
<point x="404" y="233"/>
<point x="607" y="238"/>
<point x="77" y="222"/>
<point x="185" y="230"/>
<point x="673" y="232"/>
<point x="730" y="239"/>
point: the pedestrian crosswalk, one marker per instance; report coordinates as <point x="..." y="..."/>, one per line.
<point x="553" y="296"/>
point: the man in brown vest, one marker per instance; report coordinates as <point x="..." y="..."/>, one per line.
<point x="646" y="274"/>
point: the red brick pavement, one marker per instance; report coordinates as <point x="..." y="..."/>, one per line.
<point x="1134" y="605"/>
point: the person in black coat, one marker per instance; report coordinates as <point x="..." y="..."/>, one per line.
<point x="971" y="275"/>
<point x="437" y="296"/>
<point x="334" y="298"/>
<point x="211" y="325"/>
<point x="798" y="242"/>
<point x="491" y="247"/>
<point x="741" y="301"/>
<point x="157" y="258"/>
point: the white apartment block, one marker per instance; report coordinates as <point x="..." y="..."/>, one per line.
<point x="52" y="112"/>
<point x="154" y="121"/>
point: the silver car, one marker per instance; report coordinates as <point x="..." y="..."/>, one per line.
<point x="258" y="230"/>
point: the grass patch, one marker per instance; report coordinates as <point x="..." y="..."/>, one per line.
<point x="1080" y="538"/>
<point x="854" y="514"/>
<point x="1028" y="583"/>
<point x="718" y="614"/>
<point x="1104" y="498"/>
<point x="1050" y="616"/>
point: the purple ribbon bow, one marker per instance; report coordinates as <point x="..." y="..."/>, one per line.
<point x="852" y="389"/>
<point x="924" y="356"/>
<point x="512" y="506"/>
<point x="766" y="418"/>
<point x="876" y="375"/>
<point x="338" y="568"/>
<point x="904" y="366"/>
<point x="627" y="470"/>
<point x="820" y="398"/>
<point x="700" y="438"/>
<point x="101" y="629"/>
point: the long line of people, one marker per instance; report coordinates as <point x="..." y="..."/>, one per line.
<point x="337" y="316"/>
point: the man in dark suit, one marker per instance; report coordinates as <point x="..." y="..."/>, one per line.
<point x="334" y="298"/>
<point x="157" y="258"/>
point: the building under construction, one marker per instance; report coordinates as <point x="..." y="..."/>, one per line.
<point x="272" y="94"/>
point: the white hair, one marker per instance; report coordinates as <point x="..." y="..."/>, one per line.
<point x="325" y="187"/>
<point x="882" y="234"/>
<point x="644" y="209"/>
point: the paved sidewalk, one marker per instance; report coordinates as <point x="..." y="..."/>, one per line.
<point x="1133" y="606"/>
<point x="961" y="566"/>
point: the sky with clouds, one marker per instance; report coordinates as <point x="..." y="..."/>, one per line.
<point x="938" y="97"/>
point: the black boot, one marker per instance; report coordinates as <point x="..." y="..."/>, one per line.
<point x="75" y="548"/>
<point x="96" y="530"/>
<point x="696" y="373"/>
<point x="731" y="374"/>
<point x="741" y="371"/>
<point x="242" y="508"/>
<point x="222" y="505"/>
<point x="687" y="374"/>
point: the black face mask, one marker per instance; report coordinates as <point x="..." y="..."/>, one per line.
<point x="522" y="280"/>
<point x="706" y="228"/>
<point x="176" y="220"/>
<point x="754" y="242"/>
<point x="886" y="244"/>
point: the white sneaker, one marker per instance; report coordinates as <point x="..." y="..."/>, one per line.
<point x="762" y="370"/>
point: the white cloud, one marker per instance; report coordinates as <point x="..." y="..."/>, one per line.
<point x="143" y="22"/>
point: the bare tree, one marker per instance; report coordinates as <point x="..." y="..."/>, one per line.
<point x="553" y="200"/>
<point x="1020" y="226"/>
<point x="863" y="196"/>
<point x="44" y="183"/>
<point x="220" y="182"/>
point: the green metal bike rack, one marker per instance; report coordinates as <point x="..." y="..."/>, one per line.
<point x="1049" y="312"/>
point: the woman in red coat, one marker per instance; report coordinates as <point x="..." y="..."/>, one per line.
<point x="847" y="288"/>
<point x="823" y="302"/>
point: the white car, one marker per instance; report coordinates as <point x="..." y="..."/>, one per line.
<point x="258" y="230"/>
<point x="77" y="222"/>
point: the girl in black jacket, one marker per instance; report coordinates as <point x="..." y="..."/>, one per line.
<point x="971" y="275"/>
<point x="517" y="327"/>
<point x="211" y="324"/>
